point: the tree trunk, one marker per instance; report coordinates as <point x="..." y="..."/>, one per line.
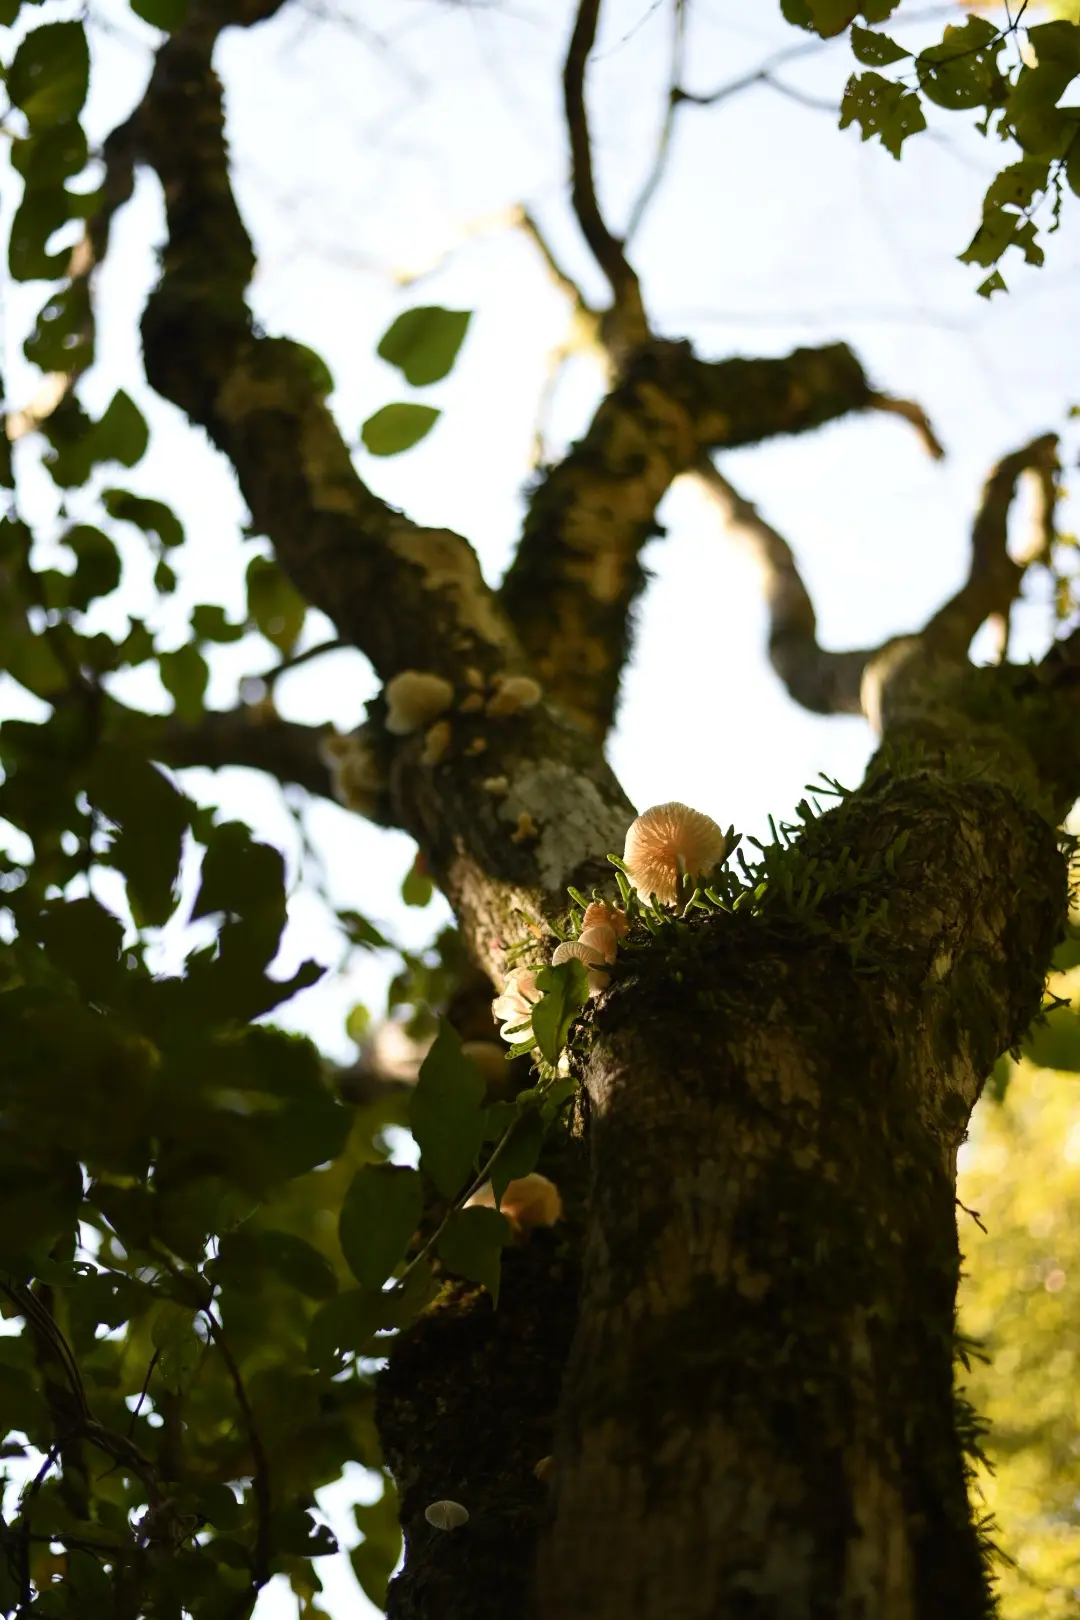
<point x="758" y="1415"/>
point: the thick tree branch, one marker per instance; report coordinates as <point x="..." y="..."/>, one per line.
<point x="250" y="737"/>
<point x="573" y="585"/>
<point x="261" y="401"/>
<point x="628" y="325"/>
<point x="824" y="682"/>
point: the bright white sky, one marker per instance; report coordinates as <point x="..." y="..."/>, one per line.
<point x="364" y="137"/>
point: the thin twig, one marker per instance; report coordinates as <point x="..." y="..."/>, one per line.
<point x="663" y="145"/>
<point x="606" y="249"/>
<point x="270" y="677"/>
<point x="260" y="1573"/>
<point x="915" y="415"/>
<point x="25" y="1501"/>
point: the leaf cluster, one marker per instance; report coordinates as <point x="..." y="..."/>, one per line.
<point x="1013" y="74"/>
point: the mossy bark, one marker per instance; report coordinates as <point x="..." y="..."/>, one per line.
<point x="758" y="1415"/>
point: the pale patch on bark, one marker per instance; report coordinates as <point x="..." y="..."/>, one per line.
<point x="449" y="565"/>
<point x="574" y="820"/>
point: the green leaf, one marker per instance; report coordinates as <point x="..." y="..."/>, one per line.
<point x="52" y="157"/>
<point x="362" y="932"/>
<point x="1018" y="185"/>
<point x="351" y="1321"/>
<point x="881" y="108"/>
<point x="38" y="215"/>
<point x="209" y="623"/>
<point x="97" y="568"/>
<point x="961" y="72"/>
<point x="472" y="1246"/>
<point x="519" y="1156"/>
<point x="50" y="74"/>
<point x="417" y="888"/>
<point x="83" y="939"/>
<point x="375" y="1559"/>
<point x="152" y="517"/>
<point x="423" y="343"/>
<point x="380" y="1212"/>
<point x="298" y="1263"/>
<point x="275" y="606"/>
<point x="446" y="1113"/>
<point x="992" y="284"/>
<point x="121" y="434"/>
<point x="831" y="17"/>
<point x="184" y="675"/>
<point x="397" y="427"/>
<point x="566" y="990"/>
<point x="875" y="50"/>
<point x="164" y="14"/>
<point x="179" y="1347"/>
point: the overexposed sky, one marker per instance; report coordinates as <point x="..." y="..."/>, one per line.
<point x="373" y="136"/>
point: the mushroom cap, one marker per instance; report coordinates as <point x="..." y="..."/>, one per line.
<point x="585" y="952"/>
<point x="514" y="693"/>
<point x="414" y="697"/>
<point x="668" y="842"/>
<point x="600" y="938"/>
<point x="531" y="1200"/>
<point x="446" y="1515"/>
<point x="600" y="915"/>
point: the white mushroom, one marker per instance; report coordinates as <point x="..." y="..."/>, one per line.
<point x="446" y="1515"/>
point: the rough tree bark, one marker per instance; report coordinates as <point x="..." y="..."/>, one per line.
<point x="739" y="1344"/>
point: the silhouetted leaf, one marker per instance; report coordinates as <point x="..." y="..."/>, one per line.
<point x="397" y="427"/>
<point x="472" y="1246"/>
<point x="423" y="343"/>
<point x="49" y="75"/>
<point x="446" y="1114"/>
<point x="379" y="1215"/>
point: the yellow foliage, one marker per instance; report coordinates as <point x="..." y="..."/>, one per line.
<point x="1021" y="1299"/>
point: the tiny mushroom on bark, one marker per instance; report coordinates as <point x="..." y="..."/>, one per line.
<point x="413" y="698"/>
<point x="600" y="915"/>
<point x="514" y="693"/>
<point x="513" y="1009"/>
<point x="446" y="1515"/>
<point x="668" y="844"/>
<point x="598" y="980"/>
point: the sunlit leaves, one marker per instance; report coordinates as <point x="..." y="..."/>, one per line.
<point x="398" y="427"/>
<point x="379" y="1215"/>
<point x="961" y="72"/>
<point x="423" y="343"/>
<point x="446" y="1113"/>
<point x="49" y="76"/>
<point x="881" y="108"/>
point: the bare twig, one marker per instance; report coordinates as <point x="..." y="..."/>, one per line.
<point x="260" y="1572"/>
<point x="607" y="250"/>
<point x="824" y="682"/>
<point x="994" y="577"/>
<point x="915" y="415"/>
<point x="270" y="677"/>
<point x="667" y="128"/>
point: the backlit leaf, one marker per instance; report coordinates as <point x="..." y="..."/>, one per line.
<point x="446" y="1113"/>
<point x="423" y="343"/>
<point x="379" y="1214"/>
<point x="397" y="427"/>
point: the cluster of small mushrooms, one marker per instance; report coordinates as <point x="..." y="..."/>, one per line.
<point x="665" y="847"/>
